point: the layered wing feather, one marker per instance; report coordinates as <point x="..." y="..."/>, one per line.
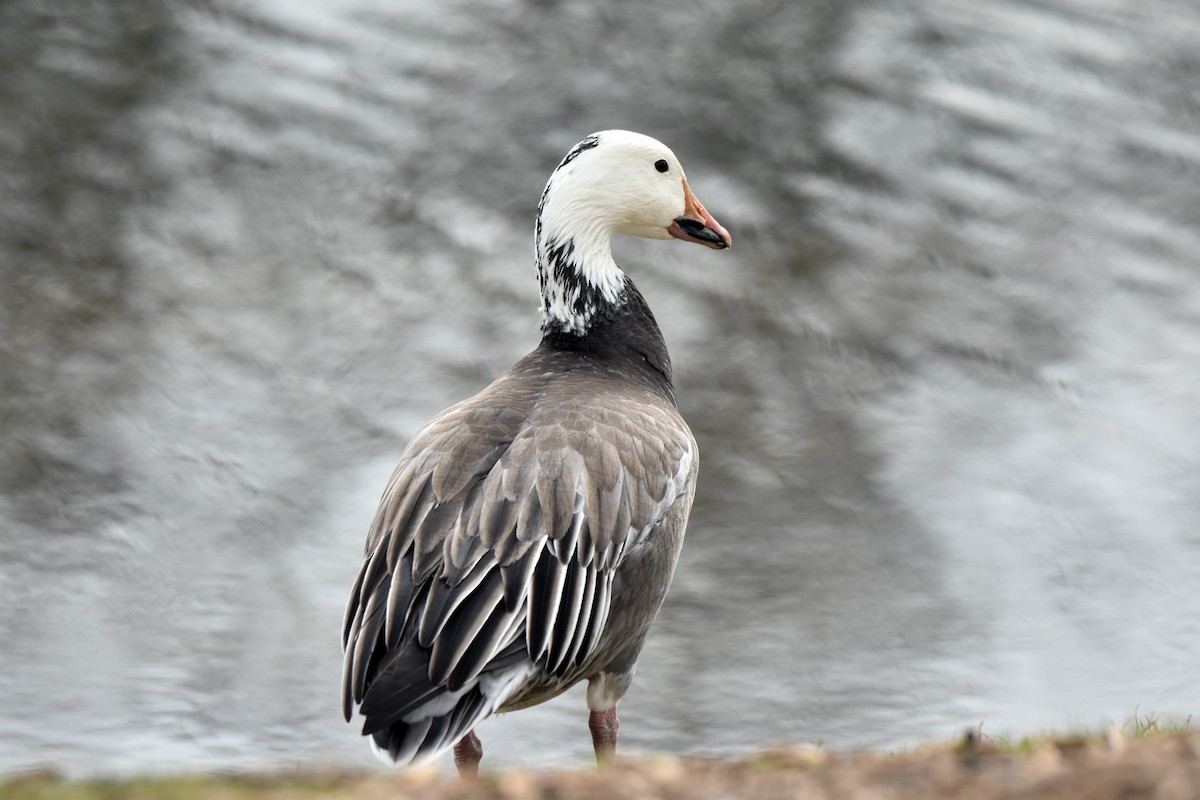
<point x="492" y="556"/>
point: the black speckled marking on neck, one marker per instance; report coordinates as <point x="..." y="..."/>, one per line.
<point x="563" y="284"/>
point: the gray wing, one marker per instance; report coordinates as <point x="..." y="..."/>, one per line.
<point x="496" y="543"/>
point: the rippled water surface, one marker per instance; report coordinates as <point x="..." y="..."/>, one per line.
<point x="946" y="387"/>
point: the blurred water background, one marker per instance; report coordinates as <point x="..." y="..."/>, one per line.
<point x="946" y="386"/>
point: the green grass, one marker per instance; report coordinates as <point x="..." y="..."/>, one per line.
<point x="1139" y="726"/>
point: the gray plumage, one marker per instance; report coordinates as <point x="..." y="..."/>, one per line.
<point x="535" y="525"/>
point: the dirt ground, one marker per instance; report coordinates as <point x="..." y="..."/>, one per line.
<point x="1162" y="767"/>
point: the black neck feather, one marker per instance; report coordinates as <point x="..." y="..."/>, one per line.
<point x="626" y="335"/>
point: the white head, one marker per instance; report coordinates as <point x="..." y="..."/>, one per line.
<point x="611" y="182"/>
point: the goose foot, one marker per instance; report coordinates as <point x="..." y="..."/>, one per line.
<point x="467" y="754"/>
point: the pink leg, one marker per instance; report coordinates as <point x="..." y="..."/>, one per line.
<point x="467" y="754"/>
<point x="604" y="725"/>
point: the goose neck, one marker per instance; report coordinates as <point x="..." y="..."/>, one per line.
<point x="579" y="279"/>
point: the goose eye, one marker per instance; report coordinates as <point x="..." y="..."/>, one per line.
<point x="661" y="165"/>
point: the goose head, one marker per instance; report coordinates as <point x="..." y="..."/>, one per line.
<point x="611" y="182"/>
<point x="624" y="182"/>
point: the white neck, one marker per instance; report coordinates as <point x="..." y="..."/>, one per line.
<point x="575" y="266"/>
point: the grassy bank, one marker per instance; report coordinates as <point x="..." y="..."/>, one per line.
<point x="1147" y="758"/>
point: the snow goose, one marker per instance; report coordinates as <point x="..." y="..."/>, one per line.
<point x="528" y="536"/>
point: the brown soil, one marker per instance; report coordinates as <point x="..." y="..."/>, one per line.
<point x="1165" y="767"/>
<point x="1162" y="767"/>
